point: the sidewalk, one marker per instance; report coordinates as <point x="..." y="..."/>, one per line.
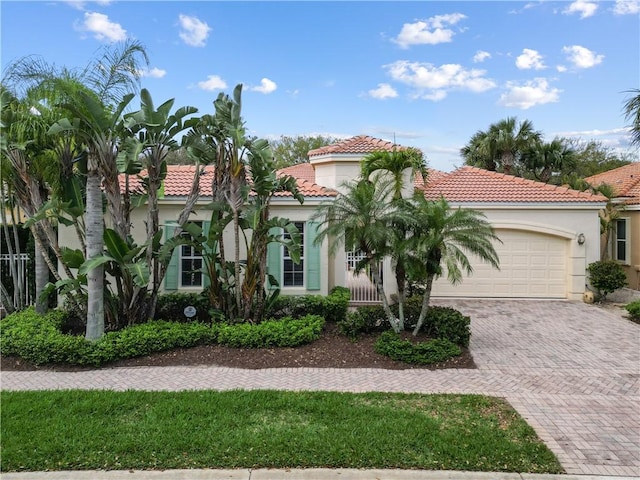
<point x="571" y="370"/>
<point x="295" y="474"/>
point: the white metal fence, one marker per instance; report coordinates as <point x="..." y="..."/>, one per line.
<point x="19" y="262"/>
<point x="360" y="285"/>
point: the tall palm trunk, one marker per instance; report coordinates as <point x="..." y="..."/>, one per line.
<point x="426" y="299"/>
<point x="377" y="281"/>
<point x="508" y="160"/>
<point x="95" y="277"/>
<point x="42" y="278"/>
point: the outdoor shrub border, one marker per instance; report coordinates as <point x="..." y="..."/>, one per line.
<point x="424" y="353"/>
<point x="171" y="307"/>
<point x="284" y="332"/>
<point x="39" y="339"/>
<point x="441" y="322"/>
<point x="333" y="308"/>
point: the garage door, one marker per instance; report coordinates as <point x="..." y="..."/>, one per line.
<point x="532" y="265"/>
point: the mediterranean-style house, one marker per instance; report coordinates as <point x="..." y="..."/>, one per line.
<point x="549" y="234"/>
<point x="624" y="243"/>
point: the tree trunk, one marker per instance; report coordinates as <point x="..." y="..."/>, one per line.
<point x="401" y="283"/>
<point x="375" y="274"/>
<point x="42" y="278"/>
<point x="95" y="277"/>
<point x="425" y="304"/>
<point x="507" y="162"/>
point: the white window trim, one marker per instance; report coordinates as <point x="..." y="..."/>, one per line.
<point x="301" y="264"/>
<point x="181" y="257"/>
<point x="627" y="241"/>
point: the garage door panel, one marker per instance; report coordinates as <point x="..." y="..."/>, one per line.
<point x="531" y="265"/>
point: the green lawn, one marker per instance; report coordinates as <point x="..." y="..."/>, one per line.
<point x="74" y="430"/>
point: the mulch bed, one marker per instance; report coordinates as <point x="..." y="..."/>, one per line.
<point x="331" y="350"/>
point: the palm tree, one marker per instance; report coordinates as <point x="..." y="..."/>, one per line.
<point x="442" y="236"/>
<point x="632" y="114"/>
<point x="396" y="163"/>
<point x="544" y="158"/>
<point x="360" y="219"/>
<point x="501" y="145"/>
<point x="103" y="85"/>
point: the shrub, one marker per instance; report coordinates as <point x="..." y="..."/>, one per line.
<point x="284" y="332"/>
<point x="606" y="276"/>
<point x="441" y="322"/>
<point x="634" y="309"/>
<point x="424" y="353"/>
<point x="367" y="319"/>
<point x="171" y="307"/>
<point x="332" y="307"/>
<point x="39" y="340"/>
<point x="448" y="323"/>
<point x="147" y="338"/>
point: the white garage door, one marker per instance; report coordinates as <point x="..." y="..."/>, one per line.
<point x="532" y="265"/>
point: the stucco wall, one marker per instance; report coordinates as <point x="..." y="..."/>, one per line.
<point x="170" y="209"/>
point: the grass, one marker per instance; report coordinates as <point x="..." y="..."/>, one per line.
<point x="82" y="430"/>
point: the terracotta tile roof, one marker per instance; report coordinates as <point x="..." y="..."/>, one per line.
<point x="179" y="178"/>
<point x="432" y="176"/>
<point x="360" y="144"/>
<point x="475" y="185"/>
<point x="302" y="171"/>
<point x="624" y="180"/>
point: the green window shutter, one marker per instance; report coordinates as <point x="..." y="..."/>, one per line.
<point x="171" y="276"/>
<point x="207" y="251"/>
<point x="274" y="257"/>
<point x="312" y="257"/>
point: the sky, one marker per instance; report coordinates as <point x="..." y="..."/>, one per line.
<point x="426" y="74"/>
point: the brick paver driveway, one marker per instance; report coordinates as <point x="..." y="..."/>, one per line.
<point x="572" y="370"/>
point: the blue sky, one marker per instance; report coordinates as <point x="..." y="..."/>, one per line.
<point x="429" y="74"/>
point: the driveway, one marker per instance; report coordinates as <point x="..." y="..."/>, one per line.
<point x="571" y="370"/>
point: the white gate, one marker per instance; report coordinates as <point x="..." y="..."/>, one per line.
<point x="360" y="285"/>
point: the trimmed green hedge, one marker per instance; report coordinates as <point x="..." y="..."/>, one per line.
<point x="424" y="353"/>
<point x="284" y="332"/>
<point x="441" y="322"/>
<point x="333" y="308"/>
<point x="171" y="307"/>
<point x="39" y="339"/>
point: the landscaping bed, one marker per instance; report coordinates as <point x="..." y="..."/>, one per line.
<point x="331" y="350"/>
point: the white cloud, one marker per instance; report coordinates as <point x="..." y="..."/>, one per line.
<point x="527" y="95"/>
<point x="627" y="7"/>
<point x="194" y="31"/>
<point x="266" y="86"/>
<point x="593" y="133"/>
<point x="213" y="82"/>
<point x="433" y="83"/>
<point x="481" y="56"/>
<point x="430" y="32"/>
<point x="530" y="59"/>
<point x="102" y="28"/>
<point x="561" y="68"/>
<point x="154" y="72"/>
<point x="383" y="91"/>
<point x="434" y="95"/>
<point x="80" y="4"/>
<point x="582" y="57"/>
<point x="584" y="7"/>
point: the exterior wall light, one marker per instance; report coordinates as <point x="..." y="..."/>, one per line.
<point x="581" y="239"/>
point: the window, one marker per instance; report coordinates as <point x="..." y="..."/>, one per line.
<point x="190" y="264"/>
<point x="292" y="274"/>
<point x="621" y="245"/>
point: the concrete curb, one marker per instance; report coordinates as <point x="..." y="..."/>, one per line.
<point x="294" y="474"/>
